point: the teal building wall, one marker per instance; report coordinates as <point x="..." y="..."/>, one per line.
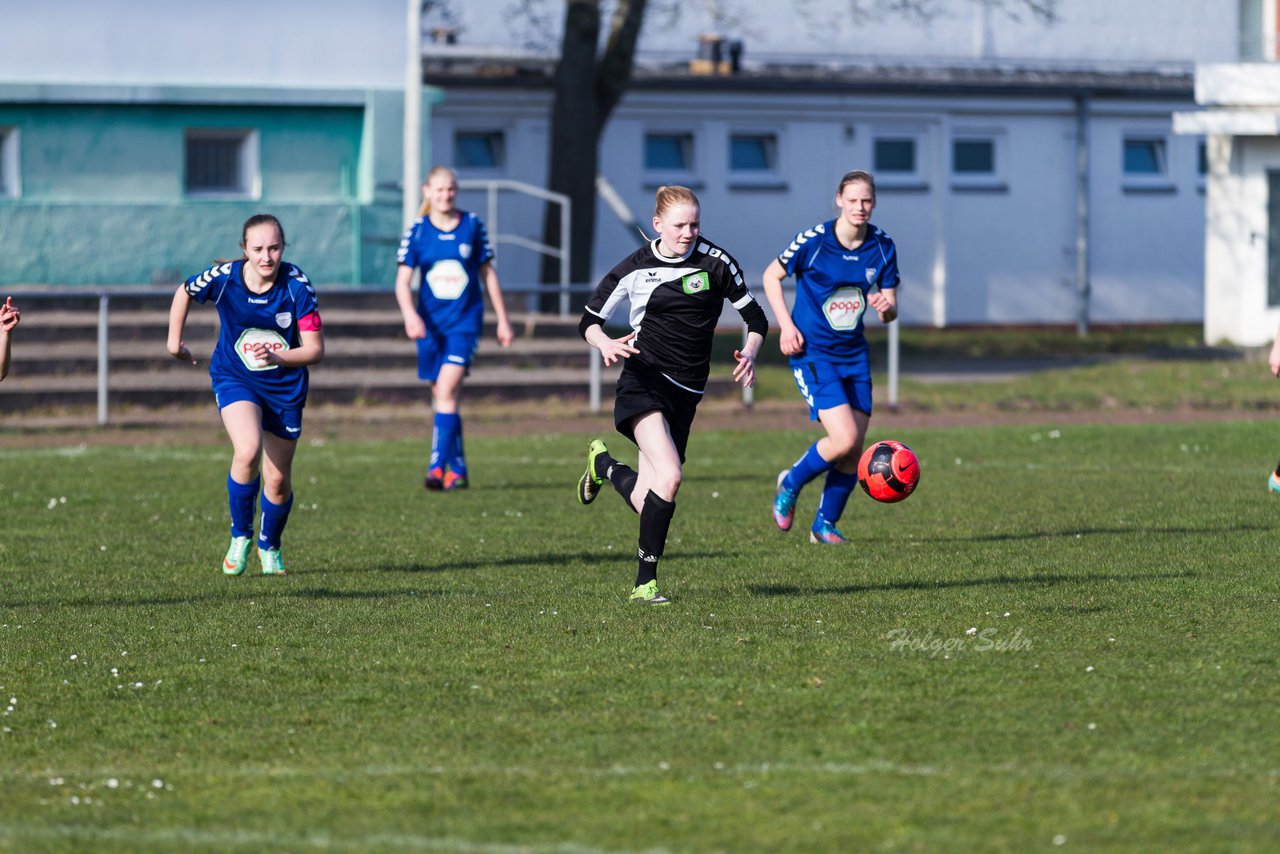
<point x="100" y="194"/>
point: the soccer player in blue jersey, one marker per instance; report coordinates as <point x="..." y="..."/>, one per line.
<point x="10" y="317"/>
<point x="840" y="267"/>
<point x="270" y="333"/>
<point x="676" y="287"/>
<point x="451" y="248"/>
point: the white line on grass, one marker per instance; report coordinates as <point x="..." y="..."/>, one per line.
<point x="265" y="840"/>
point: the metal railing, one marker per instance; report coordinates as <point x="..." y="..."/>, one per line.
<point x="595" y="379"/>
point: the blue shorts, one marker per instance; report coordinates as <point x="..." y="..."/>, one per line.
<point x="826" y="385"/>
<point x="436" y="351"/>
<point x="278" y="420"/>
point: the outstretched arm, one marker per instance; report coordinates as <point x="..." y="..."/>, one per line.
<point x="790" y="340"/>
<point x="10" y="317"/>
<point x="413" y="325"/>
<point x="177" y="324"/>
<point x="490" y="276"/>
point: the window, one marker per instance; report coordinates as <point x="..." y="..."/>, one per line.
<point x="977" y="160"/>
<point x="484" y="150"/>
<point x="1144" y="157"/>
<point x="668" y="152"/>
<point x="222" y="163"/>
<point x="10" y="185"/>
<point x="895" y="156"/>
<point x="753" y="152"/>
<point x="1146" y="163"/>
<point x="1273" y="239"/>
<point x="973" y="157"/>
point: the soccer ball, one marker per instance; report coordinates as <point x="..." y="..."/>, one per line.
<point x="888" y="471"/>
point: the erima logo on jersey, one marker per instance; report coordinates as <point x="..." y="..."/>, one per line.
<point x="695" y="283"/>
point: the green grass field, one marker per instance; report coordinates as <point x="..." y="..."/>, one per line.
<point x="1066" y="639"/>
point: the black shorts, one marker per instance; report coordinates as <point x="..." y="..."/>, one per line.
<point x="643" y="389"/>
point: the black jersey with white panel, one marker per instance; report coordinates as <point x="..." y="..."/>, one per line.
<point x="675" y="306"/>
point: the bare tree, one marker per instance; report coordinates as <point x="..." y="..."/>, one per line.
<point x="594" y="68"/>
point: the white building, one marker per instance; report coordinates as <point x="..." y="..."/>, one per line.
<point x="1022" y="171"/>
<point x="1241" y="118"/>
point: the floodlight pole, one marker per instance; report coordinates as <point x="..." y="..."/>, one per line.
<point x="412" y="175"/>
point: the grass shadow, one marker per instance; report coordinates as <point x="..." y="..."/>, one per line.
<point x="1040" y="579"/>
<point x="1094" y="532"/>
<point x="555" y="559"/>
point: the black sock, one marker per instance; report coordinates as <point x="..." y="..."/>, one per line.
<point x="1278" y="471"/>
<point x="623" y="479"/>
<point x="655" y="520"/>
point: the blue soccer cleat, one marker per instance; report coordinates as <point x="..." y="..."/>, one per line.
<point x="827" y="534"/>
<point x="784" y="504"/>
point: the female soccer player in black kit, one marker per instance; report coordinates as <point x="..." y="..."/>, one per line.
<point x="676" y="285"/>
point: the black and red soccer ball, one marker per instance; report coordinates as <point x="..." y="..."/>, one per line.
<point x="888" y="471"/>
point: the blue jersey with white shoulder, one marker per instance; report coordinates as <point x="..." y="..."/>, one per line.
<point x="832" y="283"/>
<point x="248" y="318"/>
<point x="450" y="300"/>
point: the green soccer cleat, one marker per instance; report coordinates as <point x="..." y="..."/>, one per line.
<point x="589" y="484"/>
<point x="1273" y="483"/>
<point x="237" y="556"/>
<point x="647" y="594"/>
<point x="272" y="562"/>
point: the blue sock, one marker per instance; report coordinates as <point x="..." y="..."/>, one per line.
<point x="458" y="459"/>
<point x="444" y="438"/>
<point x="805" y="469"/>
<point x="274" y="518"/>
<point x="835" y="495"/>
<point x="241" y="497"/>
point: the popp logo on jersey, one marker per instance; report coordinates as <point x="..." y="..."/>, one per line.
<point x="447" y="279"/>
<point x="244" y="347"/>
<point x="843" y="309"/>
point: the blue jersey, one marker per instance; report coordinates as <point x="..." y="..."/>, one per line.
<point x="832" y="283"/>
<point x="449" y="300"/>
<point x="248" y="318"/>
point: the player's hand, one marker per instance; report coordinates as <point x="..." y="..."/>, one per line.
<point x="264" y="355"/>
<point x="9" y="316"/>
<point x="180" y="352"/>
<point x="885" y="307"/>
<point x="1275" y="359"/>
<point x="613" y="349"/>
<point x="414" y="327"/>
<point x="745" y="371"/>
<point x="791" y="342"/>
<point x="505" y="335"/>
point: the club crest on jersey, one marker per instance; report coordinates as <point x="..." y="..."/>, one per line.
<point x="464" y="249"/>
<point x="843" y="309"/>
<point x="696" y="283"/>
<point x="244" y="347"/>
<point x="871" y="275"/>
<point x="283" y="319"/>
